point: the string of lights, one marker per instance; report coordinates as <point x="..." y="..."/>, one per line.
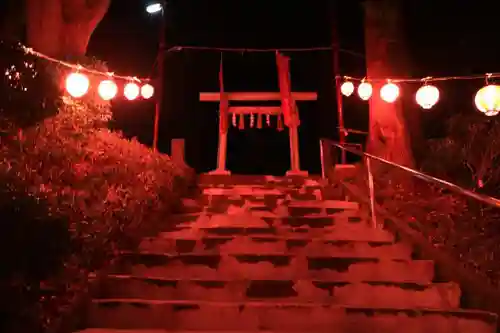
<point x="486" y="100"/>
<point x="426" y="79"/>
<point x="80" y="68"/>
<point x="77" y="83"/>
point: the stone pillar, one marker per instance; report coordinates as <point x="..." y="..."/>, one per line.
<point x="178" y="151"/>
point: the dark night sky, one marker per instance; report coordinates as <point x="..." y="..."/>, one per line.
<point x="444" y="38"/>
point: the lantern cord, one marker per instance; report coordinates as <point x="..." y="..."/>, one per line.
<point x="80" y="68"/>
<point x="424" y="80"/>
<point x="263" y="50"/>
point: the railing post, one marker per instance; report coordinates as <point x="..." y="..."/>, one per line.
<point x="371" y="189"/>
<point x="322" y="157"/>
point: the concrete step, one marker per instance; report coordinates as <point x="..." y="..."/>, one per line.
<point x="334" y="233"/>
<point x="223" y="204"/>
<point x="251" y="220"/>
<point x="276" y="267"/>
<point x="372" y="294"/>
<point x="261" y="194"/>
<point x="274" y="245"/>
<point x="253" y="316"/>
<point x="239" y="200"/>
<point x="294" y="192"/>
<point x="256" y="180"/>
<point x="281" y="211"/>
<point x="261" y="211"/>
<point x="300" y="196"/>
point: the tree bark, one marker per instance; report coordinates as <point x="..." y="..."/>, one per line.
<point x="62" y="28"/>
<point x="389" y="137"/>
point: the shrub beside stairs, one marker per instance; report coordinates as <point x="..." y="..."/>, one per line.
<point x="278" y="255"/>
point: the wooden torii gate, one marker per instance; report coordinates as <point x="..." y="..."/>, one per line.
<point x="288" y="110"/>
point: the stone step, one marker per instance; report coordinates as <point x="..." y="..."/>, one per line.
<point x="276" y="267"/>
<point x="372" y="294"/>
<point x="280" y="211"/>
<point x="253" y="316"/>
<point x="222" y="204"/>
<point x="260" y="211"/>
<point x="251" y="219"/>
<point x="271" y="181"/>
<point x="334" y="233"/>
<point x="261" y="194"/>
<point x="240" y="200"/>
<point x="294" y="192"/>
<point x="274" y="245"/>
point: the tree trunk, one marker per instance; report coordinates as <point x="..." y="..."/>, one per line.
<point x="389" y="137"/>
<point x="62" y="28"/>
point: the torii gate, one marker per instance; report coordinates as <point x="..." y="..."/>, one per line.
<point x="288" y="110"/>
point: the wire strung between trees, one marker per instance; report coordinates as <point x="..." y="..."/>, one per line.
<point x="262" y="50"/>
<point x="78" y="67"/>
<point x="427" y="79"/>
<point x="424" y="80"/>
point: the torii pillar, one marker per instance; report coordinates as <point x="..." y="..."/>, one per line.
<point x="290" y="114"/>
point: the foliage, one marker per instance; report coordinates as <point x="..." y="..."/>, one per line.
<point x="22" y="77"/>
<point x="469" y="230"/>
<point x="73" y="193"/>
<point x="469" y="154"/>
<point x="465" y="228"/>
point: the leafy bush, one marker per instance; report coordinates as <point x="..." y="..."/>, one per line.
<point x="469" y="153"/>
<point x="22" y="77"/>
<point x="463" y="227"/>
<point x="73" y="193"/>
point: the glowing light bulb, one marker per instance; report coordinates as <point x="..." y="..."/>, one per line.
<point x="365" y="91"/>
<point x="77" y="84"/>
<point x="347" y="88"/>
<point x="154" y="8"/>
<point x="131" y="91"/>
<point x="389" y="92"/>
<point x="487" y="100"/>
<point x="147" y="91"/>
<point x="107" y="90"/>
<point x="427" y="96"/>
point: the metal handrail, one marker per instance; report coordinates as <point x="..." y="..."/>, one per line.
<point x="430" y="179"/>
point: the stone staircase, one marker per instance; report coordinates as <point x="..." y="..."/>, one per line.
<point x="276" y="255"/>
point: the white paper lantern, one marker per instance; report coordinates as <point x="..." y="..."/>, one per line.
<point x="427" y="96"/>
<point x="107" y="90"/>
<point x="389" y="92"/>
<point x="347" y="88"/>
<point x="77" y="84"/>
<point x="487" y="100"/>
<point x="365" y="91"/>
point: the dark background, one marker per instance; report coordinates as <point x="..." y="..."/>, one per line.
<point x="443" y="38"/>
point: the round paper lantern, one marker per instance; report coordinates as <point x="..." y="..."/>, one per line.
<point x="147" y="91"/>
<point x="487" y="100"/>
<point x="107" y="90"/>
<point x="365" y="91"/>
<point x="389" y="92"/>
<point x="77" y="84"/>
<point x="491" y="113"/>
<point x="427" y="96"/>
<point x="347" y="88"/>
<point x="131" y="91"/>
